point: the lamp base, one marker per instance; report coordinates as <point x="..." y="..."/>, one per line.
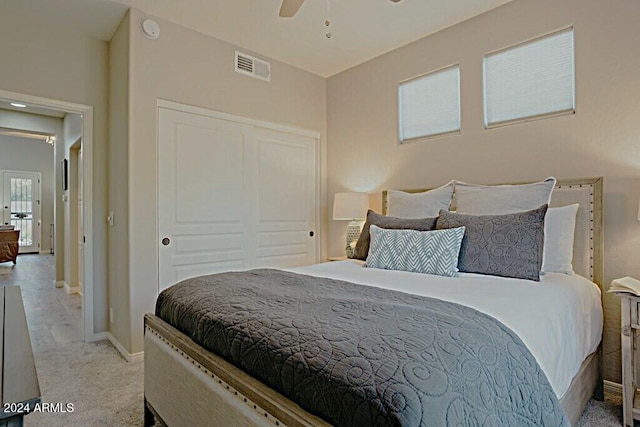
<point x="353" y="233"/>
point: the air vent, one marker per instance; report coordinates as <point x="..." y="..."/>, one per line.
<point x="254" y="67"/>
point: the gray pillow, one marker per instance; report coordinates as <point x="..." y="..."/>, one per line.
<point x="428" y="252"/>
<point x="388" y="222"/>
<point x="477" y="199"/>
<point x="508" y="245"/>
<point x="419" y="205"/>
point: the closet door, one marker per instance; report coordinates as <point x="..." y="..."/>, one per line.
<point x="204" y="196"/>
<point x="232" y="195"/>
<point x="286" y="199"/>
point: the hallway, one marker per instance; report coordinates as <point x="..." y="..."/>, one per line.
<point x="102" y="387"/>
<point x="54" y="317"/>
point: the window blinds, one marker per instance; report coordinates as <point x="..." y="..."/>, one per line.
<point x="533" y="79"/>
<point x="430" y="104"/>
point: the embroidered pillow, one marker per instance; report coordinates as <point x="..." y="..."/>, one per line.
<point x="419" y="205"/>
<point x="501" y="199"/>
<point x="362" y="246"/>
<point x="429" y="252"/>
<point x="508" y="245"/>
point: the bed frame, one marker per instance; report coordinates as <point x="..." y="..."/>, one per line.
<point x="185" y="384"/>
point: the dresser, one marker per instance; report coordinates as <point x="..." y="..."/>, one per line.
<point x="20" y="391"/>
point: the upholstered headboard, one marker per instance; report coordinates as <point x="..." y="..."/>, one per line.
<point x="588" y="242"/>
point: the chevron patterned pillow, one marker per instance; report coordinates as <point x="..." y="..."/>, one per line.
<point x="429" y="252"/>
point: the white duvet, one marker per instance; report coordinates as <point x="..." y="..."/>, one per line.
<point x="559" y="318"/>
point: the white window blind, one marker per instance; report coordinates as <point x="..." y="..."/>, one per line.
<point x="531" y="80"/>
<point x="430" y="105"/>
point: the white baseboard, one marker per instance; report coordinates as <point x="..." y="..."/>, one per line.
<point x="72" y="289"/>
<point x="613" y="388"/>
<point x="100" y="336"/>
<point x="59" y="283"/>
<point x="129" y="357"/>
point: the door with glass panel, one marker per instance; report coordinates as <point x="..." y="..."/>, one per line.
<point x="21" y="207"/>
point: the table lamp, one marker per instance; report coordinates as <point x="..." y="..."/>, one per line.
<point x="351" y="207"/>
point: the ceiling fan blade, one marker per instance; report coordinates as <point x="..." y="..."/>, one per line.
<point x="290" y="7"/>
<point x="395" y="1"/>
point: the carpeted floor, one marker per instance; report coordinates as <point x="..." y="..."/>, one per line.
<point x="104" y="389"/>
<point x="603" y="414"/>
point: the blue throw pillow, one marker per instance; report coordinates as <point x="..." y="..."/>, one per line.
<point x="429" y="252"/>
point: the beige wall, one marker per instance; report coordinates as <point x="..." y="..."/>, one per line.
<point x="67" y="67"/>
<point x="118" y="182"/>
<point x="187" y="67"/>
<point x="601" y="139"/>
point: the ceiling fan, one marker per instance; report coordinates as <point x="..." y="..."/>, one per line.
<point x="290" y="7"/>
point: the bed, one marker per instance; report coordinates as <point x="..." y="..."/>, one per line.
<point x="187" y="384"/>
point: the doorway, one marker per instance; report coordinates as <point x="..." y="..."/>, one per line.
<point x="87" y="225"/>
<point x="76" y="229"/>
<point x="21" y="202"/>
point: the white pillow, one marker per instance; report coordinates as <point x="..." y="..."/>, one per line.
<point x="477" y="199"/>
<point x="419" y="205"/>
<point x="559" y="229"/>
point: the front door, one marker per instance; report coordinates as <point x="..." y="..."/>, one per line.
<point x="21" y="203"/>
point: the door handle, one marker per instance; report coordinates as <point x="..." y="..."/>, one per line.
<point x="166" y="241"/>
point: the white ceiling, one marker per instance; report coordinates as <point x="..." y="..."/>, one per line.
<point x="361" y="29"/>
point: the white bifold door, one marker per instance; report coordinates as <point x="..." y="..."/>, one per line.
<point x="233" y="195"/>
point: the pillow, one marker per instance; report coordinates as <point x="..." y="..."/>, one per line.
<point x="508" y="245"/>
<point x="429" y="252"/>
<point x="559" y="228"/>
<point x="362" y="246"/>
<point x="419" y="205"/>
<point x="502" y="199"/>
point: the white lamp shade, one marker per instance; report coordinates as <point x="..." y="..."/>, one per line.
<point x="350" y="206"/>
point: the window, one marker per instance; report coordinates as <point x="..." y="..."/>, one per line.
<point x="430" y="105"/>
<point x="532" y="80"/>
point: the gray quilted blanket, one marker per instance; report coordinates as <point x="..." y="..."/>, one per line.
<point x="361" y="356"/>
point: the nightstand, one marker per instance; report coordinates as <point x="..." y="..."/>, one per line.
<point x="630" y="326"/>
<point x="338" y="258"/>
